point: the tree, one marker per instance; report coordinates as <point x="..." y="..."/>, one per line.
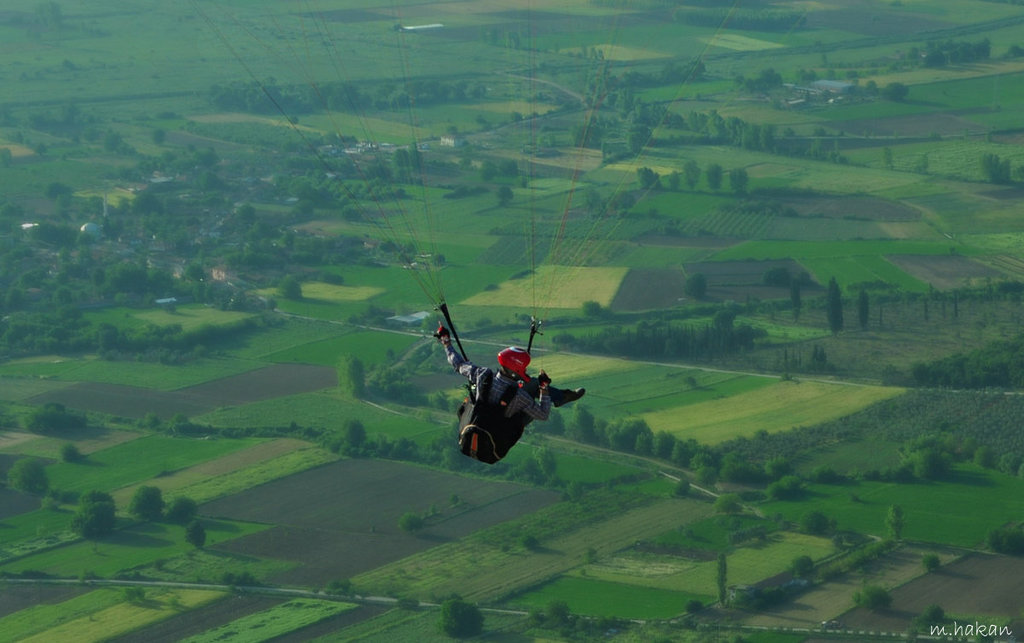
<point x="355" y="376"/>
<point x="714" y="176"/>
<point x="410" y="522"/>
<point x="195" y="534"/>
<point x="696" y="285"/>
<point x="814" y="522"/>
<point x="895" y="92"/>
<point x="505" y="195"/>
<point x="682" y="488"/>
<point x="802" y="566"/>
<point x="691" y="173"/>
<point x="460" y="619"/>
<point x="290" y="288"/>
<point x="355" y="434"/>
<point x="894" y="521"/>
<point x="96" y="515"/>
<point x="723" y="573"/>
<point x="182" y="510"/>
<point x="738" y="180"/>
<point x="728" y="503"/>
<point x="147" y="503"/>
<point x="70" y="453"/>
<point x="995" y="169"/>
<point x="862" y="309"/>
<point x="648" y="178"/>
<point x="932" y="615"/>
<point x="794" y="297"/>
<point x="28" y="475"/>
<point x="930" y="562"/>
<point x="872" y="597"/>
<point x="834" y="306"/>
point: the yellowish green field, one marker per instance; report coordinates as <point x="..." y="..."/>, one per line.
<point x="251" y="475"/>
<point x="746" y="565"/>
<point x="100" y="615"/>
<point x="779" y="407"/>
<point x="17" y="151"/>
<point x="738" y="42"/>
<point x="555" y="287"/>
<point x="571" y="367"/>
<point x="211" y="476"/>
<point x="190" y="317"/>
<point x="923" y="75"/>
<point x="511" y="106"/>
<point x="611" y="51"/>
<point x="321" y="291"/>
<point x="88" y="441"/>
<point x="114" y="197"/>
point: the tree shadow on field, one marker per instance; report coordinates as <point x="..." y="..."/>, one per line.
<point x="972" y="478"/>
<point x="221" y="526"/>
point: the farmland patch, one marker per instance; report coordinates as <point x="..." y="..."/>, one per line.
<point x="831" y="599"/>
<point x="945" y="272"/>
<point x="201" y="619"/>
<point x="270" y="382"/>
<point x="978" y="585"/>
<point x="14" y="502"/>
<point x="644" y="289"/>
<point x="773" y="408"/>
<point x="16" y="597"/>
<point x="205" y="472"/>
<point x="342" y="518"/>
<point x="911" y="125"/>
<point x="559" y="286"/>
<point x="851" y="207"/>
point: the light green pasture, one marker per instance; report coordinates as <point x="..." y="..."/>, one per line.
<point x="562" y="287"/>
<point x="117" y="619"/>
<point x="142" y="374"/>
<point x="959" y="511"/>
<point x="138" y="545"/>
<point x="804" y="250"/>
<point x="601" y="598"/>
<point x="189" y="317"/>
<point x="780" y="407"/>
<point x="328" y="410"/>
<point x="39" y="618"/>
<point x="371" y="347"/>
<point x="746" y="566"/>
<point x="862" y="269"/>
<point x="274" y="622"/>
<point x="139" y="460"/>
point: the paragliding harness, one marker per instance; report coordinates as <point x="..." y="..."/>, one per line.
<point x="485" y="434"/>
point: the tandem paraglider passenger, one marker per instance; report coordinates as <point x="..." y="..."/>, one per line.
<point x="501" y="403"/>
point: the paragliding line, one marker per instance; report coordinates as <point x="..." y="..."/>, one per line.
<point x="534" y="330"/>
<point x="443" y="307"/>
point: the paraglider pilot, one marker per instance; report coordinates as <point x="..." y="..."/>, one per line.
<point x="501" y="403"/>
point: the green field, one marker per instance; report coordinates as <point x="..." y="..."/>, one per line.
<point x="597" y="598"/>
<point x="138" y="460"/>
<point x="779" y="407"/>
<point x="277" y="621"/>
<point x="982" y="500"/>
<point x="98" y="614"/>
<point x="127" y="548"/>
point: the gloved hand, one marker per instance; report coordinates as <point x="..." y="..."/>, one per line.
<point x="442" y="334"/>
<point x="543" y="379"/>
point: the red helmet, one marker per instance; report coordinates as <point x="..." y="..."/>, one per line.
<point x="516" y="360"/>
